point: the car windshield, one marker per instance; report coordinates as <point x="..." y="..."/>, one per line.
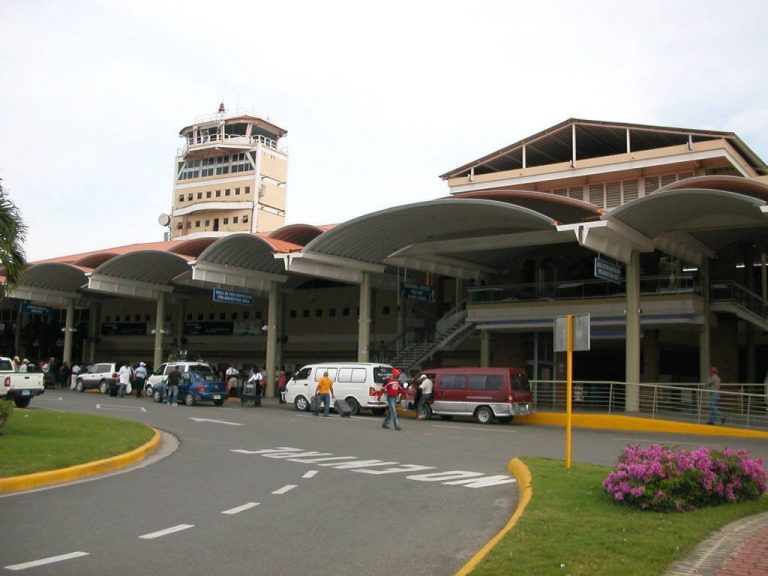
<point x="199" y="368"/>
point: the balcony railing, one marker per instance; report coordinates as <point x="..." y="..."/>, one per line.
<point x="583" y="289"/>
<point x="729" y="291"/>
<point x="205" y="139"/>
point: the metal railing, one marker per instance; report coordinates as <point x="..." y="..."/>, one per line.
<point x="217" y="137"/>
<point x="743" y="405"/>
<point x="729" y="291"/>
<point x="583" y="289"/>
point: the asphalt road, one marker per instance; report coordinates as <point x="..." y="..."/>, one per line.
<point x="273" y="491"/>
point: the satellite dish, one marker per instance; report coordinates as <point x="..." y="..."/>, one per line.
<point x="164" y="219"/>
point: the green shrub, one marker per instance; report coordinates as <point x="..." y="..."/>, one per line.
<point x="6" y="409"/>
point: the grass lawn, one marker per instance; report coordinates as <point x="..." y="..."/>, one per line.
<point x="36" y="440"/>
<point x="571" y="528"/>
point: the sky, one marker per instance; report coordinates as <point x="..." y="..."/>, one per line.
<point x="379" y="98"/>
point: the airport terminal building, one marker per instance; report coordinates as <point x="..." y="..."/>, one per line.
<point x="659" y="234"/>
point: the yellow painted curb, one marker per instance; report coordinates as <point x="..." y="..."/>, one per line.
<point x="637" y="424"/>
<point x="522" y="474"/>
<point x="38" y="479"/>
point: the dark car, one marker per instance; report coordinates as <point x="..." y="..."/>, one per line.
<point x="194" y="387"/>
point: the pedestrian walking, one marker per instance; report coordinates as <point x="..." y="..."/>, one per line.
<point x="124" y="379"/>
<point x="139" y="376"/>
<point x="174" y="377"/>
<point x="324" y="391"/>
<point x="713" y="385"/>
<point x="231" y="378"/>
<point x="281" y="385"/>
<point x="425" y="396"/>
<point x="393" y="389"/>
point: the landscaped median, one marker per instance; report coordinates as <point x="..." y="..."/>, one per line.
<point x="40" y="448"/>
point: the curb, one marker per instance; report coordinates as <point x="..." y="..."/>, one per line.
<point x="39" y="479"/>
<point x="522" y="474"/>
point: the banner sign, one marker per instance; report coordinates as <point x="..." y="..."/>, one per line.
<point x="232" y="297"/>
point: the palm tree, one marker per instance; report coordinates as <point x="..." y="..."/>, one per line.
<point x="12" y="234"/>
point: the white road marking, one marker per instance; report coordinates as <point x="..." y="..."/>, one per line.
<point x="310" y="474"/>
<point x="216" y="421"/>
<point x="44" y="561"/>
<point x="171" y="530"/>
<point x="242" y="508"/>
<point x="284" y="489"/>
<point x="478" y="429"/>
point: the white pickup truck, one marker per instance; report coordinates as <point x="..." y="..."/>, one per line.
<point x="19" y="386"/>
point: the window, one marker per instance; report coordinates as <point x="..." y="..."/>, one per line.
<point x="332" y="312"/>
<point x="199" y="195"/>
<point x="137" y="318"/>
<point x="226" y="192"/>
<point x="207" y="223"/>
<point x="222" y="315"/>
<point x="234" y="219"/>
<point x="245" y="218"/>
<point x="257" y="315"/>
<point x="211" y="316"/>
<point x="179" y="225"/>
<point x="218" y="193"/>
<point x="331" y="373"/>
<point x="246" y="315"/>
<point x="181" y="197"/>
<point x="233" y="316"/>
<point x="197" y="223"/>
<point x="189" y="224"/>
<point x="208" y="194"/>
<point x="199" y="316"/>
<point x="247" y="189"/>
<point x="189" y="316"/>
<point x="318" y="313"/>
<point x="385" y="310"/>
<point x="293" y="313"/>
<point x="302" y="374"/>
<point x="190" y="196"/>
<point x="453" y="382"/>
<point x="353" y="375"/>
<point x="305" y="313"/>
<point x="226" y="220"/>
<point x="345" y="311"/>
<point x="237" y="191"/>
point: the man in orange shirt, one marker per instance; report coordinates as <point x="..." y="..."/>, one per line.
<point x="324" y="391"/>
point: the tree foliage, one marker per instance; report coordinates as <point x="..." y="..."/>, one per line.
<point x="12" y="234"/>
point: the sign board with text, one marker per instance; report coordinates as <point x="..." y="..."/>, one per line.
<point x="232" y="297"/>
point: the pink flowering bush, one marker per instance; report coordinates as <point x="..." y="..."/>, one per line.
<point x="661" y="479"/>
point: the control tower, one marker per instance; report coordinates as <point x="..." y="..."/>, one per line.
<point x="229" y="177"/>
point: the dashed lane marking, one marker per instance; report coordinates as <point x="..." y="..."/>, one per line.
<point x="166" y="532"/>
<point x="242" y="508"/>
<point x="215" y="421"/>
<point x="310" y="474"/>
<point x="284" y="489"/>
<point x="44" y="561"/>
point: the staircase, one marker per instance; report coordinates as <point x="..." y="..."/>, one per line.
<point x="735" y="299"/>
<point x="451" y="330"/>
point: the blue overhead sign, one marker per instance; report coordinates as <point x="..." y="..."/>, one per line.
<point x="35" y="309"/>
<point x="417" y="292"/>
<point x="232" y="297"/>
<point x="606" y="270"/>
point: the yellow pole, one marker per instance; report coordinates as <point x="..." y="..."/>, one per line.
<point x="568" y="388"/>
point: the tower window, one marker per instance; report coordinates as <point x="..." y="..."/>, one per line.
<point x="197" y="223"/>
<point x="245" y="218"/>
<point x="226" y="220"/>
<point x="208" y="194"/>
<point x="189" y="197"/>
<point x="234" y="219"/>
<point x="247" y="189"/>
<point x="237" y="191"/>
<point x="181" y="197"/>
<point x="199" y="195"/>
<point x="226" y="192"/>
<point x="218" y="193"/>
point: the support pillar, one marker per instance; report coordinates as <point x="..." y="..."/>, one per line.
<point x="180" y="323"/>
<point x="271" y="339"/>
<point x="485" y="348"/>
<point x="705" y="360"/>
<point x="94" y="313"/>
<point x="69" y="332"/>
<point x="159" y="323"/>
<point x="364" y="320"/>
<point x="632" y="352"/>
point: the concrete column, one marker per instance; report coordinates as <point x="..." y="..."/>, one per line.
<point x="17" y="336"/>
<point x="632" y="352"/>
<point x="94" y="313"/>
<point x="280" y="330"/>
<point x="271" y="340"/>
<point x="159" y="323"/>
<point x="705" y="360"/>
<point x="485" y="348"/>
<point x="364" y="320"/>
<point x="69" y="332"/>
<point x="180" y="323"/>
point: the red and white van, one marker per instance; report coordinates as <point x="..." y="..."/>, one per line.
<point x="485" y="393"/>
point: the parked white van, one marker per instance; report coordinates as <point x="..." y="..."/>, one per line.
<point x="356" y="382"/>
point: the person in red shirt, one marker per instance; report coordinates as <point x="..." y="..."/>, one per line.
<point x="393" y="389"/>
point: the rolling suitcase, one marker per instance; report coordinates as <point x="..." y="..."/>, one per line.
<point x="315" y="405"/>
<point x="343" y="408"/>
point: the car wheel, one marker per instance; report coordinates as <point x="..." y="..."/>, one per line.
<point x="189" y="399"/>
<point x="148" y="392"/>
<point x="79" y="386"/>
<point x="354" y="406"/>
<point x="484" y="415"/>
<point x="301" y="404"/>
<point x="424" y="412"/>
<point x="218" y="402"/>
<point x="103" y="387"/>
<point x="157" y="397"/>
<point x="21" y="402"/>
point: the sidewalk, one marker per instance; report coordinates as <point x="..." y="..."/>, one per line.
<point x="739" y="549"/>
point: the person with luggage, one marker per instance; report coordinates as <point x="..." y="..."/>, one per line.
<point x="425" y="395"/>
<point x="124" y="379"/>
<point x="256" y="379"/>
<point x="139" y="376"/>
<point x="393" y="389"/>
<point x="323" y="392"/>
<point x="231" y="376"/>
<point x="713" y="385"/>
<point x="174" y="377"/>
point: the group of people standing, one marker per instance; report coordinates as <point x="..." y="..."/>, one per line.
<point x="256" y="377"/>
